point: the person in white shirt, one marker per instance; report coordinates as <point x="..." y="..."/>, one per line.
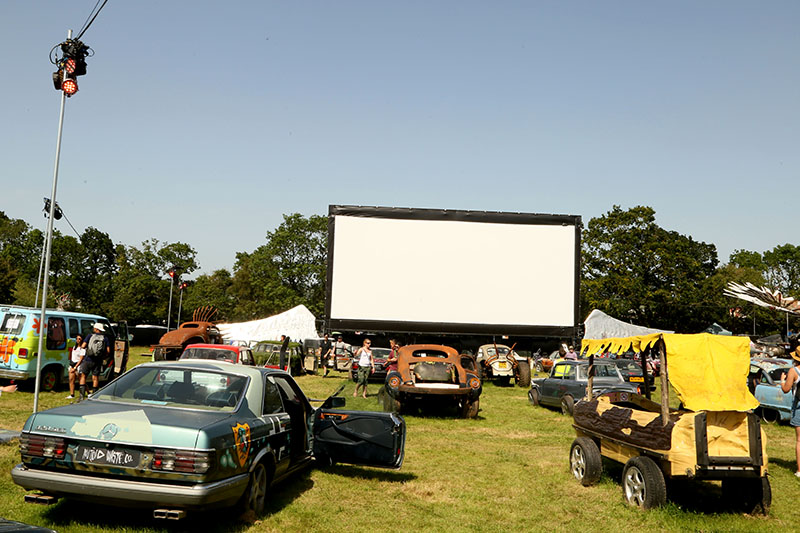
<point x="366" y="366"/>
<point x="75" y="355"/>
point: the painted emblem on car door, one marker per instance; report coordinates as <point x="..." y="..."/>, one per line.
<point x="241" y="435"/>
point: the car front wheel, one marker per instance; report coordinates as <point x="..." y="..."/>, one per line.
<point x="643" y="483"/>
<point x="567" y="404"/>
<point x="534" y="397"/>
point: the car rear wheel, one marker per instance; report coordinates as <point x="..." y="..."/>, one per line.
<point x="585" y="462"/>
<point x="534" y="397"/>
<point x="256" y="493"/>
<point x="567" y="404"/>
<point x="752" y="496"/>
<point x="524" y="374"/>
<point x="643" y="483"/>
<point x="49" y="379"/>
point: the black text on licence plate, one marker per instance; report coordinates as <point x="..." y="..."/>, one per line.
<point x="103" y="456"/>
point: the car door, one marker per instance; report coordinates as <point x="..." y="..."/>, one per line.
<point x="367" y="438"/>
<point x="550" y="386"/>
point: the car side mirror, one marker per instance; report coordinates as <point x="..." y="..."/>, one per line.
<point x="333" y="402"/>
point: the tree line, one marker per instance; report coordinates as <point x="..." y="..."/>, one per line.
<point x="631" y="268"/>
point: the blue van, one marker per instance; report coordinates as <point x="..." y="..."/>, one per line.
<point x="19" y="343"/>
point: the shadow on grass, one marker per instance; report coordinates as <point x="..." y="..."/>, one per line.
<point x="351" y="471"/>
<point x="702" y="497"/>
<point x="224" y="520"/>
<point x="791" y="466"/>
<point x="92" y="515"/>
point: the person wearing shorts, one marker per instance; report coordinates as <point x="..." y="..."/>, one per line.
<point x="366" y="366"/>
<point x="789" y="383"/>
<point x="75" y="356"/>
<point x="92" y="363"/>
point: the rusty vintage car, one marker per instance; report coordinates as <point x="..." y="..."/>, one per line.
<point x="715" y="435"/>
<point x="432" y="375"/>
<point x="200" y="330"/>
<point x="499" y="363"/>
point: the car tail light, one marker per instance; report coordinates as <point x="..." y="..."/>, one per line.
<point x="355" y="365"/>
<point x="41" y="446"/>
<point x="23" y="353"/>
<point x="181" y="461"/>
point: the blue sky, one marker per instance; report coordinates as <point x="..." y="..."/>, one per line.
<point x="205" y="122"/>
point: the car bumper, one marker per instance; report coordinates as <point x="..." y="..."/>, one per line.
<point x="125" y="491"/>
<point x="14" y="374"/>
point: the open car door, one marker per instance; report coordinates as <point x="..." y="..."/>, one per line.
<point x="368" y="438"/>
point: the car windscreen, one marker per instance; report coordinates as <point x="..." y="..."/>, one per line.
<point x="382" y="353"/>
<point x="502" y="350"/>
<point x="209" y="353"/>
<point x="600" y="371"/>
<point x="177" y="387"/>
<point x="630" y="367"/>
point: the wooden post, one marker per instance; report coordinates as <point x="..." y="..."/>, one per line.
<point x="662" y="354"/>
<point x="643" y="361"/>
<point x="590" y="383"/>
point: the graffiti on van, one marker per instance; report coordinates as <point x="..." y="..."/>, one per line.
<point x="19" y="343"/>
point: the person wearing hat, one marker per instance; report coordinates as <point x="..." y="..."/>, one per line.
<point x="790" y="383"/>
<point x="97" y="349"/>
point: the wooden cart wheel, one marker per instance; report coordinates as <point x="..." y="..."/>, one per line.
<point x="643" y="483"/>
<point x="585" y="461"/>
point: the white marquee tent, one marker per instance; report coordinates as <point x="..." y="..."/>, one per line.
<point x="602" y="326"/>
<point x="298" y="323"/>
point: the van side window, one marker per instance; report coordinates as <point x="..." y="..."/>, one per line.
<point x="56" y="334"/>
<point x="74" y="329"/>
<point x="12" y="324"/>
<point x="86" y="327"/>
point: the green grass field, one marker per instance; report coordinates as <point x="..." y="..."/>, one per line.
<point x="507" y="470"/>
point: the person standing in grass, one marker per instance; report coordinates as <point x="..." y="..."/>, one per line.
<point x="75" y="356"/>
<point x="366" y="366"/>
<point x="327" y="353"/>
<point x="790" y="383"/>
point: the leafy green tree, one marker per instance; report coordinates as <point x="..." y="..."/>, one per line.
<point x="635" y="270"/>
<point x="287" y="271"/>
<point x="211" y="289"/>
<point x="141" y="287"/>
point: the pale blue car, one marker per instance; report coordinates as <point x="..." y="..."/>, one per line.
<point x="765" y="384"/>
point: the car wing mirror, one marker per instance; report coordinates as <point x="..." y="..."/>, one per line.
<point x="334" y="400"/>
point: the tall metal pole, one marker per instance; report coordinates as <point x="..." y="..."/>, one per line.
<point x="41" y="265"/>
<point x="169" y="309"/>
<point x="180" y="304"/>
<point x="49" y="247"/>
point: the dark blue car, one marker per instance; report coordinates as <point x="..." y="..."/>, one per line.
<point x="567" y="383"/>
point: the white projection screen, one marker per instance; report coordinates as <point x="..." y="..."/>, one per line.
<point x="447" y="271"/>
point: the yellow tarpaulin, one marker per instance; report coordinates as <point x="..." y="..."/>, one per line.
<point x="709" y="372"/>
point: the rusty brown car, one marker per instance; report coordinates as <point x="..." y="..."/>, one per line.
<point x="199" y="331"/>
<point x="431" y="374"/>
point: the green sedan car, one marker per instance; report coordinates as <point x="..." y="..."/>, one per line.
<point x="183" y="435"/>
